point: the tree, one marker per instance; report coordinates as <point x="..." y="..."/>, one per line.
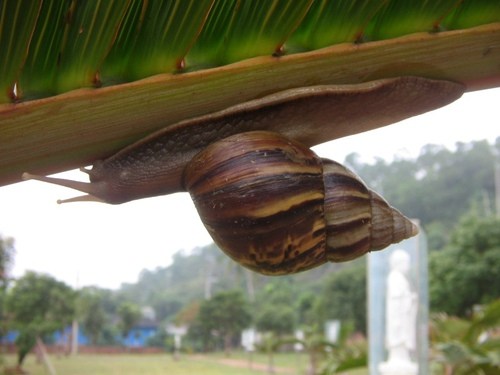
<point x="6" y="258"/>
<point x="130" y="314"/>
<point x="91" y="313"/>
<point x="344" y="296"/>
<point x="278" y="319"/>
<point x="432" y="188"/>
<point x="188" y="314"/>
<point x="305" y="307"/>
<point x="226" y="314"/>
<point x="38" y="305"/>
<point x="276" y="309"/>
<point x="469" y="265"/>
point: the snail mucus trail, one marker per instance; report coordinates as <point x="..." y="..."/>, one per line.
<point x="267" y="200"/>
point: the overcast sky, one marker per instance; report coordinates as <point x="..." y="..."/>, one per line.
<point x="98" y="244"/>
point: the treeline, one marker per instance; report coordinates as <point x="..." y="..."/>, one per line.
<point x="439" y="187"/>
<point x="452" y="193"/>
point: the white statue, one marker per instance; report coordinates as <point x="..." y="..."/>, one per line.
<point x="401" y="309"/>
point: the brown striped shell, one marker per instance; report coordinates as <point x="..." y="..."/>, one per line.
<point x="275" y="207"/>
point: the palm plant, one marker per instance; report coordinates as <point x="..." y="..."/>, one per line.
<point x="468" y="346"/>
<point x="81" y="79"/>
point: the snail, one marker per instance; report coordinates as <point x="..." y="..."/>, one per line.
<point x="267" y="200"/>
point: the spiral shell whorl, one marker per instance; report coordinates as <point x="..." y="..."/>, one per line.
<point x="275" y="207"/>
<point x="358" y="219"/>
<point x="261" y="197"/>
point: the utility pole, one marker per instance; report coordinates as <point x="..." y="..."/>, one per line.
<point x="74" y="324"/>
<point x="497" y="188"/>
<point x="250" y="286"/>
<point x="210" y="279"/>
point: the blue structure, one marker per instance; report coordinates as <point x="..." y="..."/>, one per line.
<point x="62" y="337"/>
<point x="136" y="338"/>
<point x="9" y="338"/>
<point x="139" y="335"/>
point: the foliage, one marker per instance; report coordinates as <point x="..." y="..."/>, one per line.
<point x="38" y="305"/>
<point x="188" y="314"/>
<point x="42" y="302"/>
<point x="348" y="355"/>
<point x="305" y="307"/>
<point x="59" y="46"/>
<point x="344" y="296"/>
<point x="275" y="308"/>
<point x="279" y="319"/>
<point x="349" y="352"/>
<point x="6" y="259"/>
<point x="91" y="314"/>
<point x="161" y="340"/>
<point x="270" y="344"/>
<point x="129" y="314"/>
<point x="316" y="347"/>
<point x="199" y="339"/>
<point x="97" y="312"/>
<point x="25" y="342"/>
<point x="225" y="315"/>
<point x="469" y="264"/>
<point x="468" y="346"/>
<point x="171" y="288"/>
<point x="314" y="344"/>
<point x="432" y="188"/>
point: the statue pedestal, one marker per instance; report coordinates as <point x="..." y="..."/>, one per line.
<point x="398" y="367"/>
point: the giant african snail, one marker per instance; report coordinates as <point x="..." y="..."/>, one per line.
<point x="267" y="200"/>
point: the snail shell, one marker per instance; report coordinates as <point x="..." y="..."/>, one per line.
<point x="275" y="207"/>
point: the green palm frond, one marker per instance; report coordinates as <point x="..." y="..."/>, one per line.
<point x="82" y="78"/>
<point x="483" y="321"/>
<point x="469" y="346"/>
<point x="57" y="46"/>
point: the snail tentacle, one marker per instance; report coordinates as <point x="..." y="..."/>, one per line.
<point x="85" y="187"/>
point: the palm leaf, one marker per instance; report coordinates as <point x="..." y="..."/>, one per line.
<point x="164" y="61"/>
<point x="488" y="319"/>
<point x="469" y="346"/>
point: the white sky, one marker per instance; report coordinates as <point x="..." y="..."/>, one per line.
<point x="98" y="244"/>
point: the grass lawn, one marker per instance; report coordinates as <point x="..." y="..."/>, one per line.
<point x="147" y="364"/>
<point x="156" y="364"/>
<point x="297" y="361"/>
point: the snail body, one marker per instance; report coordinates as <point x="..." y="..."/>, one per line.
<point x="312" y="115"/>
<point x="267" y="200"/>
